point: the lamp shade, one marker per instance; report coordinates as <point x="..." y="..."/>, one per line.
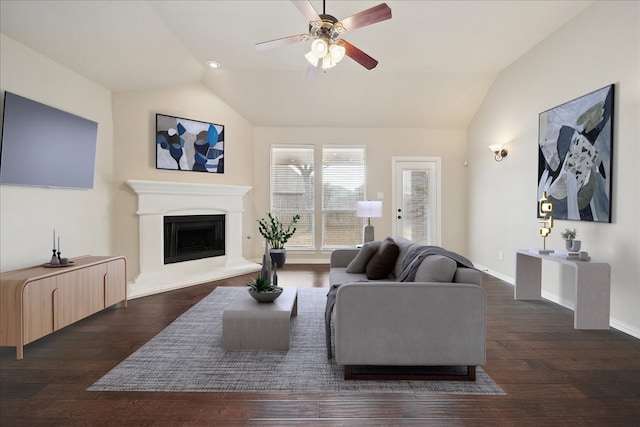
<point x="495" y="148"/>
<point x="369" y="209"/>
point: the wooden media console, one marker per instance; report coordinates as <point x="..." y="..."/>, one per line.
<point x="38" y="301"/>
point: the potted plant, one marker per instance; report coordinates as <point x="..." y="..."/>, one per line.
<point x="569" y="236"/>
<point x="277" y="235"/>
<point x="262" y="290"/>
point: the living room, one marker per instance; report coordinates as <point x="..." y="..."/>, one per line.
<point x="488" y="214"/>
<point x="491" y="211"/>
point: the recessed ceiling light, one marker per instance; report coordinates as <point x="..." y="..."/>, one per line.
<point x="214" y="64"/>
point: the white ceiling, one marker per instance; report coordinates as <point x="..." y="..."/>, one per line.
<point x="437" y="59"/>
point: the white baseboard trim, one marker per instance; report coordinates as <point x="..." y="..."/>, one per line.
<point x="508" y="279"/>
<point x="614" y="323"/>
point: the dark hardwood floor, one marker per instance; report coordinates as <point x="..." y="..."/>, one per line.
<point x="552" y="374"/>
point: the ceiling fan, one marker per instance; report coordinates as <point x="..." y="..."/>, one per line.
<point x="328" y="48"/>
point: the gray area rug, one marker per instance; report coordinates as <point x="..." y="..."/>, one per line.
<point x="187" y="356"/>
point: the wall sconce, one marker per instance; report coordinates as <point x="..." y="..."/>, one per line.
<point x="368" y="209"/>
<point x="499" y="151"/>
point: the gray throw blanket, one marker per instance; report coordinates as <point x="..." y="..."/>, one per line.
<point x="410" y="265"/>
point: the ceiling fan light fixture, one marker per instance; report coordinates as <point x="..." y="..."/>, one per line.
<point x="328" y="62"/>
<point x="319" y="47"/>
<point x="312" y="58"/>
<point x="337" y="51"/>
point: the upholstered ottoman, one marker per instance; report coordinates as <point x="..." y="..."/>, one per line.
<point x="250" y="325"/>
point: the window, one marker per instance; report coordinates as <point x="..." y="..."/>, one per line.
<point x="341" y="183"/>
<point x="292" y="191"/>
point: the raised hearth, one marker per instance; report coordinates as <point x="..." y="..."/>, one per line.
<point x="157" y="200"/>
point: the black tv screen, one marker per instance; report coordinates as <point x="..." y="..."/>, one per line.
<point x="46" y="147"/>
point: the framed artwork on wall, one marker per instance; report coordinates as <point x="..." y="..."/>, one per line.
<point x="189" y="145"/>
<point x="575" y="148"/>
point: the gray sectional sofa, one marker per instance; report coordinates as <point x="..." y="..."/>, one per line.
<point x="429" y="310"/>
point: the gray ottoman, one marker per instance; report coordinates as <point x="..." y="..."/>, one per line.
<point x="250" y="325"/>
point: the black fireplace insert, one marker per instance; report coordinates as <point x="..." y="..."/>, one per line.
<point x="190" y="237"/>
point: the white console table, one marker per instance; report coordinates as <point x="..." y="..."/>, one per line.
<point x="592" y="284"/>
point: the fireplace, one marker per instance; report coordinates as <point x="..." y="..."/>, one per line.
<point x="189" y="237"/>
<point x="160" y="199"/>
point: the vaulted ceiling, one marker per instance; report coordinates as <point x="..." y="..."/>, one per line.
<point x="437" y="59"/>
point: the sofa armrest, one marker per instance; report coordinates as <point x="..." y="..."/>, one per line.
<point x="468" y="275"/>
<point x="420" y="323"/>
<point x="342" y="257"/>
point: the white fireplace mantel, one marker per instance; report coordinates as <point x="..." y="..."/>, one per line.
<point x="157" y="199"/>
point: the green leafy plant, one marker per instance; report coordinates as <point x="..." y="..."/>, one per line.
<point x="262" y="284"/>
<point x="568" y="234"/>
<point x="275" y="232"/>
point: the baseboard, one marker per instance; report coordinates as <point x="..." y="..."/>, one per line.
<point x="508" y="279"/>
<point x="614" y="323"/>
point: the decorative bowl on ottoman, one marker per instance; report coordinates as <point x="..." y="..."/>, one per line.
<point x="265" y="296"/>
<point x="262" y="290"/>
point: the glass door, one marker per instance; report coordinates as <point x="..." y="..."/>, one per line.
<point x="416" y="199"/>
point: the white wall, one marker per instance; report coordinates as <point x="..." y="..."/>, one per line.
<point x="28" y="215"/>
<point x="599" y="47"/>
<point x="381" y="145"/>
<point x="134" y="115"/>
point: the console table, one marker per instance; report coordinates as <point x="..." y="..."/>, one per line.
<point x="592" y="286"/>
<point x="37" y="301"/>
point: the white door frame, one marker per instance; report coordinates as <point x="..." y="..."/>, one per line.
<point x="437" y="240"/>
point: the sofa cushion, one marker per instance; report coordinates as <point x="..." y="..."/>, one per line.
<point x="382" y="262"/>
<point x="359" y="263"/>
<point x="436" y="268"/>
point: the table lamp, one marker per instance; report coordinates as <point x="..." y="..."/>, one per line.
<point x="368" y="209"/>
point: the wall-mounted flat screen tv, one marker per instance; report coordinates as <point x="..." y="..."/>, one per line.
<point x="46" y="147"/>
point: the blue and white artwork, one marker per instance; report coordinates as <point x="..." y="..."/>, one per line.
<point x="575" y="147"/>
<point x="190" y="145"/>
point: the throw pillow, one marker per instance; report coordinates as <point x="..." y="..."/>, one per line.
<point x="359" y="263"/>
<point x="436" y="268"/>
<point x="381" y="263"/>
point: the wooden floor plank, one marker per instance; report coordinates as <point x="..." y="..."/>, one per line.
<point x="551" y="374"/>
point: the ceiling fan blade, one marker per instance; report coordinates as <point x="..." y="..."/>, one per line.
<point x="378" y="13"/>
<point x="305" y="7"/>
<point x="282" y="41"/>
<point x="359" y="56"/>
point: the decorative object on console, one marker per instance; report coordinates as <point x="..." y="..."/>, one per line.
<point x="499" y="151"/>
<point x="277" y="235"/>
<point x="262" y="290"/>
<point x="56" y="260"/>
<point x="545" y="208"/>
<point x="368" y="209"/>
<point x="575" y="152"/>
<point x="569" y="236"/>
<point x="184" y="144"/>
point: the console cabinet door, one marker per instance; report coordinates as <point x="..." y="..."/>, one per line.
<point x="81" y="294"/>
<point x="114" y="284"/>
<point x="39" y="308"/>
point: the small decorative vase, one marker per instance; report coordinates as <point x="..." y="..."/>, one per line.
<point x="265" y="296"/>
<point x="573" y="245"/>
